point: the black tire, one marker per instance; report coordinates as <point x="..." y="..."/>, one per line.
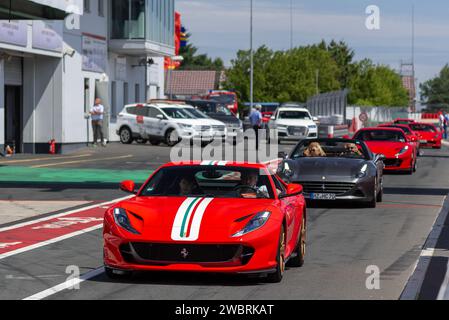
<point x="168" y="138"/>
<point x="277" y="276"/>
<point x="126" y="136"/>
<point x="111" y="274"/>
<point x="373" y="202"/>
<point x="142" y="141"/>
<point x="300" y="251"/>
<point x="155" y="142"/>
<point x="380" y="194"/>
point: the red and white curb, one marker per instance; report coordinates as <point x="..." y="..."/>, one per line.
<point x="34" y="234"/>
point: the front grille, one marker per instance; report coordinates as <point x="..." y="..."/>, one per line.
<point x="392" y="162"/>
<point x="205" y="128"/>
<point x="184" y="253"/>
<point x="338" y="188"/>
<point x="295" y="130"/>
<point x="218" y="128"/>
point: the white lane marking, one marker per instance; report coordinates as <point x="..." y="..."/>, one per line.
<point x="99" y="205"/>
<point x="44" y="159"/>
<point x="443" y="294"/>
<point x="8" y="244"/>
<point x="47" y="242"/>
<point x="80" y="161"/>
<point x="65" y="285"/>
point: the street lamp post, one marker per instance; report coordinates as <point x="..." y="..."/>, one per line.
<point x="251" y="93"/>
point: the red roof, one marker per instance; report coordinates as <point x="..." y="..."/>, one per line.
<point x="190" y="82"/>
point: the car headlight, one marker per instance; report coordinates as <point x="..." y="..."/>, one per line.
<point x="313" y="127"/>
<point x="363" y="171"/>
<point x="255" y="223"/>
<point x="403" y="150"/>
<point x="121" y="219"/>
<point x="185" y="126"/>
<point x="437" y="136"/>
<point x="281" y="126"/>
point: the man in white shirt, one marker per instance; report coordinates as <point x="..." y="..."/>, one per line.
<point x="97" y="113"/>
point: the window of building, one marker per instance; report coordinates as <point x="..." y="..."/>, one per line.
<point x="87" y="6"/>
<point x="101" y="8"/>
<point x="137" y="92"/>
<point x="113" y="99"/>
<point x="125" y="93"/>
<point x="128" y="19"/>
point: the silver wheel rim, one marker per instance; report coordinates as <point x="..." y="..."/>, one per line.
<point x="125" y="135"/>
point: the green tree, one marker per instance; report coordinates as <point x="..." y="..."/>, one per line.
<point x="376" y="85"/>
<point x="194" y="61"/>
<point x="435" y="92"/>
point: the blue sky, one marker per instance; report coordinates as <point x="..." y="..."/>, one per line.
<point x="221" y="27"/>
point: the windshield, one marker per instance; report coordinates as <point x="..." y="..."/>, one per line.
<point x="381" y="135"/>
<point x="177" y="113"/>
<point x="404" y="128"/>
<point x="224" y="98"/>
<point x="422" y="127"/>
<point x="302" y="115"/>
<point x="330" y="149"/>
<point x="209" y="181"/>
<point x="196" y="113"/>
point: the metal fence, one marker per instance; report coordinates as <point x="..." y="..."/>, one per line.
<point x="331" y="104"/>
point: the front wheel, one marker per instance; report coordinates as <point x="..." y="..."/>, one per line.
<point x="171" y="138"/>
<point x="126" y="136"/>
<point x="277" y="276"/>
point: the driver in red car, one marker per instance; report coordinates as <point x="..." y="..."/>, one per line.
<point x="251" y="179"/>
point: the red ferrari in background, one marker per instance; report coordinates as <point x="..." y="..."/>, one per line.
<point x="429" y="135"/>
<point x="400" y="154"/>
<point x="211" y="216"/>
<point x="410" y="134"/>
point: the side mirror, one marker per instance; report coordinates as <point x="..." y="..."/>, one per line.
<point x="293" y="189"/>
<point x="282" y="155"/>
<point x="160" y="117"/>
<point x="273" y="118"/>
<point x="381" y="157"/>
<point x="315" y="119"/>
<point x="128" y="186"/>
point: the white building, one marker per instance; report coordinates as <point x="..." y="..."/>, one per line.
<point x="51" y="72"/>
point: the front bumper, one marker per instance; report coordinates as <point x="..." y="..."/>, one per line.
<point x="398" y="164"/>
<point x="361" y="190"/>
<point x="252" y="253"/>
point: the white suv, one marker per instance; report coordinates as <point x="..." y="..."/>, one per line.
<point x="165" y="122"/>
<point x="294" y="123"/>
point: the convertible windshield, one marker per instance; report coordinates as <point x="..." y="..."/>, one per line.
<point x="381" y="135"/>
<point x="330" y="149"/>
<point x="209" y="181"/>
<point x="178" y="113"/>
<point x="301" y="115"/>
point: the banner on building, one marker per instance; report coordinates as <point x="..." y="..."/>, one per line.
<point x="47" y="35"/>
<point x="69" y="6"/>
<point x="14" y="32"/>
<point x="95" y="53"/>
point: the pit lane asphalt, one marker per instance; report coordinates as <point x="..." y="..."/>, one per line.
<point x="342" y="243"/>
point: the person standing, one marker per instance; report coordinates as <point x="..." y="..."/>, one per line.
<point x="445" y="124"/>
<point x="256" y="122"/>
<point x="97" y="113"/>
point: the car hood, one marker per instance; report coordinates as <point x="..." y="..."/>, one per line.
<point x="294" y="122"/>
<point x="160" y="218"/>
<point x="200" y="122"/>
<point x="389" y="149"/>
<point x="224" y="118"/>
<point x="306" y="169"/>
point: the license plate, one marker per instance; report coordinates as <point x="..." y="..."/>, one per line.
<point x="422" y="141"/>
<point x="323" y="196"/>
<point x="298" y="133"/>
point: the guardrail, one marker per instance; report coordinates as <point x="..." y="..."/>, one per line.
<point x="332" y="131"/>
